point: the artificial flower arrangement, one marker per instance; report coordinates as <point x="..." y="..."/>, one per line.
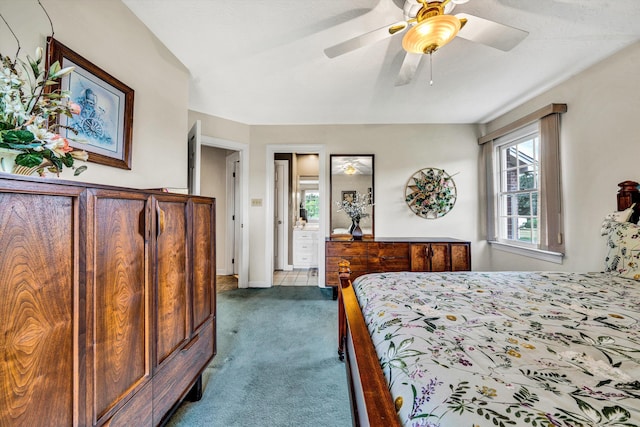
<point x="356" y="207"/>
<point x="29" y="107"/>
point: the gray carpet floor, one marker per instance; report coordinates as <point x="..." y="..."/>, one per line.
<point x="276" y="365"/>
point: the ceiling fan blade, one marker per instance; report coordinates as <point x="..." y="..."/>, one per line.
<point x="491" y="33"/>
<point x="408" y="68"/>
<point x="365" y="39"/>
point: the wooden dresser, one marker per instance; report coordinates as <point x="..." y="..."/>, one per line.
<point x="395" y="254"/>
<point x="107" y="302"/>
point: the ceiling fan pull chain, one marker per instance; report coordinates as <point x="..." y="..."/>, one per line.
<point x="431" y="69"/>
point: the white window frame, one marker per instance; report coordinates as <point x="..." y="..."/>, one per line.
<point x="501" y="145"/>
<point x="551" y="245"/>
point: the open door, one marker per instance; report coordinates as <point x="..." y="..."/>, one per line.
<point x="234" y="214"/>
<point x="193" y="147"/>
<point x="281" y="212"/>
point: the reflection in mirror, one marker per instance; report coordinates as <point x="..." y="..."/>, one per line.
<point x="351" y="175"/>
<point x="308" y="187"/>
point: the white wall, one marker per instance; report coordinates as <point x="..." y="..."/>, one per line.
<point x="109" y="35"/>
<point x="600" y="147"/>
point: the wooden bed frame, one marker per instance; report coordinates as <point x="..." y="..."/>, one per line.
<point x="371" y="401"/>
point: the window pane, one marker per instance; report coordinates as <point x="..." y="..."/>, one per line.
<point x="527" y="178"/>
<point x="511" y="180"/>
<point x="510" y="205"/>
<point x="502" y="227"/>
<point x="526" y="155"/>
<point x="524" y="204"/>
<point x="511" y="154"/>
<point x="534" y="203"/>
<point x="311" y="204"/>
<point x="524" y="229"/>
<point x="534" y="231"/>
<point x="509" y="227"/>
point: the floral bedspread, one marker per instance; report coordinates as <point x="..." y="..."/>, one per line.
<point x="507" y="349"/>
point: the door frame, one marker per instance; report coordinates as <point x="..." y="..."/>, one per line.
<point x="243" y="149"/>
<point x="320" y="150"/>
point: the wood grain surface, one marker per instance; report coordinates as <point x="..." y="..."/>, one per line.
<point x="120" y="351"/>
<point x="36" y="309"/>
<point x="171" y="290"/>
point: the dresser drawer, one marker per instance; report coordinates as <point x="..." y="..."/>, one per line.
<point x="357" y="263"/>
<point x="389" y="263"/>
<point x="389" y="257"/>
<point x="344" y="249"/>
<point x="332" y="279"/>
<point x="304" y="246"/>
<point x="305" y="235"/>
<point x="389" y="250"/>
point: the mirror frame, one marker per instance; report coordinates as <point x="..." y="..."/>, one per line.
<point x="332" y="202"/>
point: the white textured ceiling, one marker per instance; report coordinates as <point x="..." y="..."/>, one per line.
<point x="262" y="62"/>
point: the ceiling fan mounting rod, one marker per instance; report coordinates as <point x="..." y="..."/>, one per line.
<point x="430" y="9"/>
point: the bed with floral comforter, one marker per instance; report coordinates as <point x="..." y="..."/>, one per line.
<point x="507" y="349"/>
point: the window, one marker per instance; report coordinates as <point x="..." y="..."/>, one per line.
<point x="519" y="169"/>
<point x="312" y="205"/>
<point x="523" y="191"/>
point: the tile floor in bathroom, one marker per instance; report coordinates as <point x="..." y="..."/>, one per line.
<point x="296" y="277"/>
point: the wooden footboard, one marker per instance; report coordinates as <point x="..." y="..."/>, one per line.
<point x="371" y="401"/>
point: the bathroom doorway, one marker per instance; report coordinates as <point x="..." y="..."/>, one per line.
<point x="296" y="175"/>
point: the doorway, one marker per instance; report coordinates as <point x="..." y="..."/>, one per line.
<point x="232" y="211"/>
<point x="301" y="273"/>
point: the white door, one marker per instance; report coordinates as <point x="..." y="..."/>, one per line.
<point x="237" y="212"/>
<point x="193" y="158"/>
<point x="281" y="249"/>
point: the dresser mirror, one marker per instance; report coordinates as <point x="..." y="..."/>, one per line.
<point x="351" y="180"/>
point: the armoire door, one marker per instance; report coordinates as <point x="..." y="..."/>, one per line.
<point x="172" y="273"/>
<point x="118" y="292"/>
<point x="204" y="267"/>
<point x="41" y="307"/>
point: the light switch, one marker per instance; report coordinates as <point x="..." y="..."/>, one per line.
<point x="256" y="202"/>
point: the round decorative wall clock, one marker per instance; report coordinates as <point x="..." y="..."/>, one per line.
<point x="430" y="193"/>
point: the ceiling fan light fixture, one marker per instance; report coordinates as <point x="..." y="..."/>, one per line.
<point x="350" y="170"/>
<point x="431" y="34"/>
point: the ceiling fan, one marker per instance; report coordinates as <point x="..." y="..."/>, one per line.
<point x="431" y="26"/>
